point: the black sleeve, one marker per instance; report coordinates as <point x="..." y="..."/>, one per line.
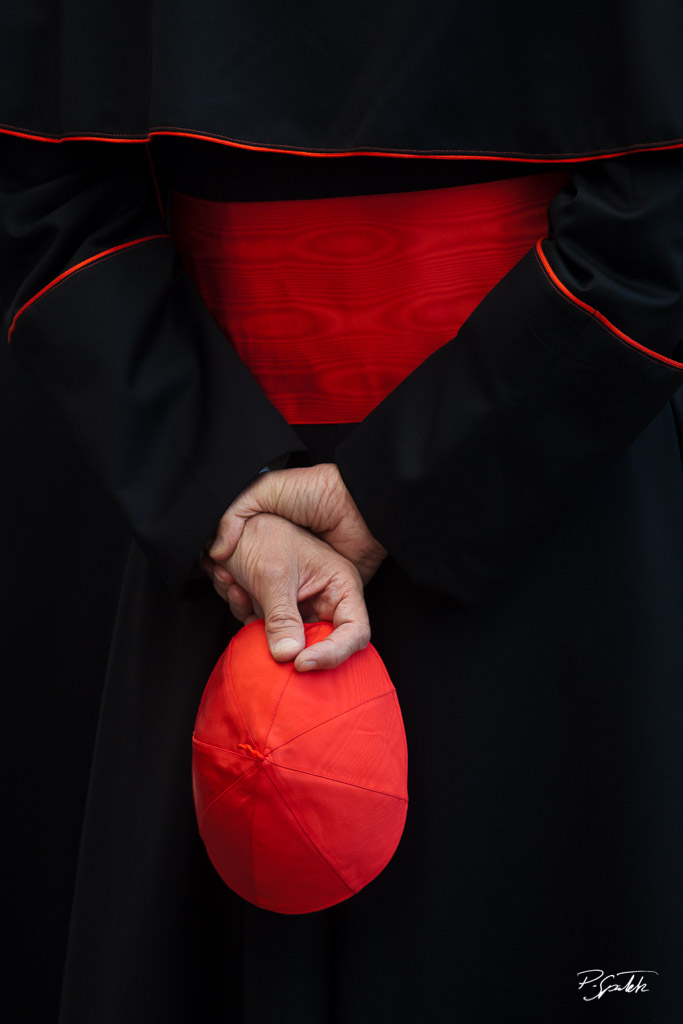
<point x="476" y="457"/>
<point x="98" y="309"/>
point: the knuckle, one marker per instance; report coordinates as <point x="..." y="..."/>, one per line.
<point x="237" y="612"/>
<point x="281" y="618"/>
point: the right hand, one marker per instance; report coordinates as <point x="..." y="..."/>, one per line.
<point x="315" y="497"/>
<point x="281" y="572"/>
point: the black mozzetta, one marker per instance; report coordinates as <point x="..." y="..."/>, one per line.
<point x="528" y="79"/>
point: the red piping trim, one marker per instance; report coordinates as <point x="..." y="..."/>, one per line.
<point x="540" y="158"/>
<point x="72" y="270"/>
<point x="599" y="316"/>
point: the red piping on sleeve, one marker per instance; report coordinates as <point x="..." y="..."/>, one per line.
<point x="72" y="270"/>
<point x="599" y="316"/>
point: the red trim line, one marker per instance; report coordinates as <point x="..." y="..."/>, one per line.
<point x="599" y="316"/>
<point x="72" y="270"/>
<point x="539" y="158"/>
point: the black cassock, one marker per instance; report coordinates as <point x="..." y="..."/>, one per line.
<point x="526" y="480"/>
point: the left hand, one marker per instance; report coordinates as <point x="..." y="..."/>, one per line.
<point x="316" y="498"/>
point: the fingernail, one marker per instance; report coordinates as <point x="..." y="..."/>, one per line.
<point x="308" y="665"/>
<point x="287" y="643"/>
<point x="222" y="574"/>
<point x="215" y="547"/>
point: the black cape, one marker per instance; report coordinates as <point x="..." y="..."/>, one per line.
<point x="531" y="624"/>
<point x="491" y="80"/>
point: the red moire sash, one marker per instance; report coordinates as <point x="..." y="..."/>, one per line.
<point x="332" y="302"/>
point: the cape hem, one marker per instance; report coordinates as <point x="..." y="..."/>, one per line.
<point x="517" y="156"/>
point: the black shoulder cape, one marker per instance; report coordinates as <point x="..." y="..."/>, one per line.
<point x="495" y="80"/>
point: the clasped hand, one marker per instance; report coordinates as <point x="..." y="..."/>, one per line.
<point x="293" y="547"/>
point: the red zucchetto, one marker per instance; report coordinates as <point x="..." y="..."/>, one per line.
<point x="300" y="779"/>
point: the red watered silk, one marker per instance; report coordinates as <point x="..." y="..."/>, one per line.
<point x="332" y="302"/>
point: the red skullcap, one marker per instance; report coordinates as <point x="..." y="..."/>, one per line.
<point x="299" y="778"/>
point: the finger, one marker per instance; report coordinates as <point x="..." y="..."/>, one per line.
<point x="222" y="581"/>
<point x="351" y="634"/>
<point x="230" y="527"/>
<point x="227" y="536"/>
<point x="257" y="497"/>
<point x="241" y="604"/>
<point x="308" y="610"/>
<point x="334" y="649"/>
<point x="284" y="628"/>
<point x="221" y="590"/>
<point x="222" y="575"/>
<point x="260" y="496"/>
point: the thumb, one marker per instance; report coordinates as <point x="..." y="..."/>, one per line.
<point x="284" y="628"/>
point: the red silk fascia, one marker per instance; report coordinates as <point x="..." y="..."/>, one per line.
<point x="331" y="303"/>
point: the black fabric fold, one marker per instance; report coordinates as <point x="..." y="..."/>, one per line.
<point x="170" y="419"/>
<point x="617" y="244"/>
<point x="473" y="461"/>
